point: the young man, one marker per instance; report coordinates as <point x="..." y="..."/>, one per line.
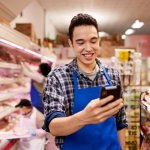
<point x="74" y="112"/>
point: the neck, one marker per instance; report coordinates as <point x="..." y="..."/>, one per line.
<point x="87" y="68"/>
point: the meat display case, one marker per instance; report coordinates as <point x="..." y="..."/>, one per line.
<point x="145" y="119"/>
<point x="14" y="47"/>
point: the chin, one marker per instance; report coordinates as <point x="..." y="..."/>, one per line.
<point x="84" y="61"/>
<point x="89" y="62"/>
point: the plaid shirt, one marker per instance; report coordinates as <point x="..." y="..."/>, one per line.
<point x="58" y="92"/>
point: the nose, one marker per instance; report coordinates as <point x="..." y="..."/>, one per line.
<point x="88" y="47"/>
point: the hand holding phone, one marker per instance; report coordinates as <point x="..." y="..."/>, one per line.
<point x="111" y="90"/>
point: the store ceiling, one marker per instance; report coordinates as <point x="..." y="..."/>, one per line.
<point x="113" y="16"/>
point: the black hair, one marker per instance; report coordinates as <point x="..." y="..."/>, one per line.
<point x="24" y="102"/>
<point x="81" y="19"/>
<point x="45" y="68"/>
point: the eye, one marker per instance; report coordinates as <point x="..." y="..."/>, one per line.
<point x="80" y="42"/>
<point x="93" y="40"/>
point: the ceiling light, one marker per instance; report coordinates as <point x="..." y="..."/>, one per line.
<point x="103" y="34"/>
<point x="137" y="24"/>
<point x="129" y="31"/>
<point x="123" y="37"/>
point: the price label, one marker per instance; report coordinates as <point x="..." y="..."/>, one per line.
<point x="124" y="55"/>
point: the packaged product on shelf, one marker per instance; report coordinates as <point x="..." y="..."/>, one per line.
<point x="137" y="68"/>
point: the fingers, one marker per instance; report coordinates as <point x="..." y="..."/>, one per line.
<point x="103" y="114"/>
<point x="101" y="102"/>
<point x="106" y="100"/>
<point x="97" y="111"/>
<point x="113" y="104"/>
<point x="110" y="110"/>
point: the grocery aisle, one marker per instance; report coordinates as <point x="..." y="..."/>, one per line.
<point x="29" y="32"/>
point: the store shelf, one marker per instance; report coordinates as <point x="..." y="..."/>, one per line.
<point x="15" y="48"/>
<point x="12" y="94"/>
<point x="12" y="135"/>
<point x="145" y="119"/>
<point x="14" y="36"/>
<point x="9" y="65"/>
<point x="8" y="110"/>
<point x="9" y="80"/>
<point x="12" y="80"/>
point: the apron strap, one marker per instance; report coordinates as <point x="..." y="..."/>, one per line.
<point x="107" y="76"/>
<point x="75" y="81"/>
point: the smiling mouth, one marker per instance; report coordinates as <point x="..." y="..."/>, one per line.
<point x="88" y="55"/>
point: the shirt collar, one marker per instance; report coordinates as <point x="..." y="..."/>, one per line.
<point x="75" y="67"/>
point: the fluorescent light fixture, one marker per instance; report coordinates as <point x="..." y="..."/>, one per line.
<point x="38" y="55"/>
<point x="47" y="58"/>
<point x="26" y="50"/>
<point x="32" y="52"/>
<point x="103" y="34"/>
<point x="129" y="31"/>
<point x="137" y="24"/>
<point x="123" y="37"/>
<point x="11" y="44"/>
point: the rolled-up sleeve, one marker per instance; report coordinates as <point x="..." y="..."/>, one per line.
<point x="50" y="117"/>
<point x="121" y="121"/>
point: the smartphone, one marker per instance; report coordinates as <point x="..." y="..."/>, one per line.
<point x="111" y="90"/>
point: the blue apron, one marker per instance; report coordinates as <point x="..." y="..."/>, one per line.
<point x="102" y="136"/>
<point x="36" y="98"/>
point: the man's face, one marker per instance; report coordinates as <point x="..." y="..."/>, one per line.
<point x="85" y="42"/>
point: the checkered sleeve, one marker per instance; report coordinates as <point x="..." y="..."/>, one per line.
<point x="53" y="96"/>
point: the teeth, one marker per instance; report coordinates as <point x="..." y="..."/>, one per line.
<point x="87" y="54"/>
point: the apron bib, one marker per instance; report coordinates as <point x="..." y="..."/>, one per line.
<point x="102" y="136"/>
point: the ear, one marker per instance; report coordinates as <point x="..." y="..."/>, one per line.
<point x="99" y="39"/>
<point x="70" y="43"/>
